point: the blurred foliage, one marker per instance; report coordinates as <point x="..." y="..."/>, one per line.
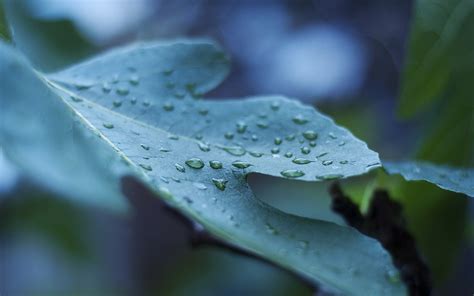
<point x="49" y="44"/>
<point x="4" y="31"/>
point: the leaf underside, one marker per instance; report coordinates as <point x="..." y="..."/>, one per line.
<point x="136" y="110"/>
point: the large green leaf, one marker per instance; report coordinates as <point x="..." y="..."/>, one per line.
<point x="139" y="104"/>
<point x="446" y="177"/>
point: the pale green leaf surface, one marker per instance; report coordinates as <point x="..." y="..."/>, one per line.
<point x="446" y="177"/>
<point x="157" y="142"/>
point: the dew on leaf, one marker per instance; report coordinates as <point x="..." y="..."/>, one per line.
<point x="288" y="154"/>
<point x="106" y="88"/>
<point x="256" y="154"/>
<point x="275" y="150"/>
<point x="241" y="127"/>
<point x="292" y="173"/>
<point x="220" y="183"/>
<point x="305" y="150"/>
<point x="300" y="119"/>
<point x="301" y="161"/>
<point x="145" y="146"/>
<point x="234" y="150"/>
<point x="122" y="91"/>
<point x="241" y="164"/>
<point x="168" y="106"/>
<point x="310" y="135"/>
<point x="204" y="147"/>
<point x="117" y="103"/>
<point x="344" y="162"/>
<point x="195" y="163"/>
<point x="275" y="106"/>
<point x="254" y="138"/>
<point x="327" y="162"/>
<point x="229" y="135"/>
<point x="179" y="168"/>
<point x="277" y="141"/>
<point x="108" y="125"/>
<point x="146" y="167"/>
<point x="200" y="185"/>
<point x="215" y="164"/>
<point x="134" y="80"/>
<point x="312" y="143"/>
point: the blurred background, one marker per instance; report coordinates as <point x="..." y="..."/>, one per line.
<point x="347" y="58"/>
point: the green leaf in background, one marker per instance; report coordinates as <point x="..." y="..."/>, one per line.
<point x="48" y="44"/>
<point x="140" y="102"/>
<point x="4" y="31"/>
<point x="449" y="178"/>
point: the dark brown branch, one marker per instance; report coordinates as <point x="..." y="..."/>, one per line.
<point x="384" y="221"/>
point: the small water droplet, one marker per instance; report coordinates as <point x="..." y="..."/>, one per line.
<point x="332" y="135"/>
<point x="305" y="150"/>
<point x="173" y="137"/>
<point x="200" y="186"/>
<point x="254" y="138"/>
<point x="330" y="177"/>
<point x="262" y="124"/>
<point x="292" y="173"/>
<point x="275" y="106"/>
<point x="204" y="147"/>
<point x="177" y="180"/>
<point x="76" y="99"/>
<point x="220" y="183"/>
<point x="310" y="135"/>
<point x="203" y="111"/>
<point x="275" y="150"/>
<point x="234" y="150"/>
<point x="215" y="164"/>
<point x="168" y="106"/>
<point x="229" y="135"/>
<point x="327" y="162"/>
<point x="344" y="162"/>
<point x="299" y="119"/>
<point x="164" y="179"/>
<point x="146" y="167"/>
<point x="165" y="149"/>
<point x="167" y="72"/>
<point x="301" y="161"/>
<point x="106" y="88"/>
<point x="179" y="168"/>
<point x="312" y="143"/>
<point x="146" y="103"/>
<point x="288" y="154"/>
<point x="122" y="91"/>
<point x="108" y="125"/>
<point x="134" y="80"/>
<point x="322" y="154"/>
<point x="277" y="141"/>
<point x="290" y="137"/>
<point x="256" y="154"/>
<point x="270" y="229"/>
<point x="133" y="100"/>
<point x="145" y="147"/>
<point x="195" y="163"/>
<point x="117" y="103"/>
<point x="241" y="164"/>
<point x="198" y="137"/>
<point x="342" y="143"/>
<point x="241" y="127"/>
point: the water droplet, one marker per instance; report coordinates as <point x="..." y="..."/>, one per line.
<point x="146" y="103"/>
<point x="229" y="135"/>
<point x="145" y="147"/>
<point x="290" y="137"/>
<point x="200" y="186"/>
<point x="270" y="229"/>
<point x="168" y="106"/>
<point x="262" y="124"/>
<point x="165" y="149"/>
<point x="220" y="183"/>
<point x="301" y="161"/>
<point x="179" y="168"/>
<point x="108" y="125"/>
<point x="164" y="179"/>
<point x="254" y="138"/>
<point x="312" y="143"/>
<point x="173" y="137"/>
<point x="215" y="164"/>
<point x="234" y="150"/>
<point x="256" y="154"/>
<point x="299" y="119"/>
<point x="117" y="103"/>
<point x="277" y="141"/>
<point x="275" y="150"/>
<point x="133" y="100"/>
<point x="204" y="147"/>
<point x="177" y="180"/>
<point x="292" y="173"/>
<point x="146" y="167"/>
<point x="134" y="80"/>
<point x="241" y="164"/>
<point x="344" y="162"/>
<point x="167" y="72"/>
<point x="322" y="154"/>
<point x="342" y="143"/>
<point x="332" y="135"/>
<point x="203" y="111"/>
<point x="122" y="91"/>
<point x="310" y="135"/>
<point x="195" y="163"/>
<point x="327" y="162"/>
<point x="275" y="106"/>
<point x="305" y="150"/>
<point x="288" y="154"/>
<point x="76" y="99"/>
<point x="241" y="127"/>
<point x="330" y="177"/>
<point x="106" y="88"/>
<point x="115" y="79"/>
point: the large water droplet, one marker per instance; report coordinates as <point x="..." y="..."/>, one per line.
<point x="241" y="164"/>
<point x="195" y="163"/>
<point x="215" y="164"/>
<point x="300" y="119"/>
<point x="179" y="168"/>
<point x="301" y="161"/>
<point x="310" y="135"/>
<point x="292" y="173"/>
<point x="220" y="183"/>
